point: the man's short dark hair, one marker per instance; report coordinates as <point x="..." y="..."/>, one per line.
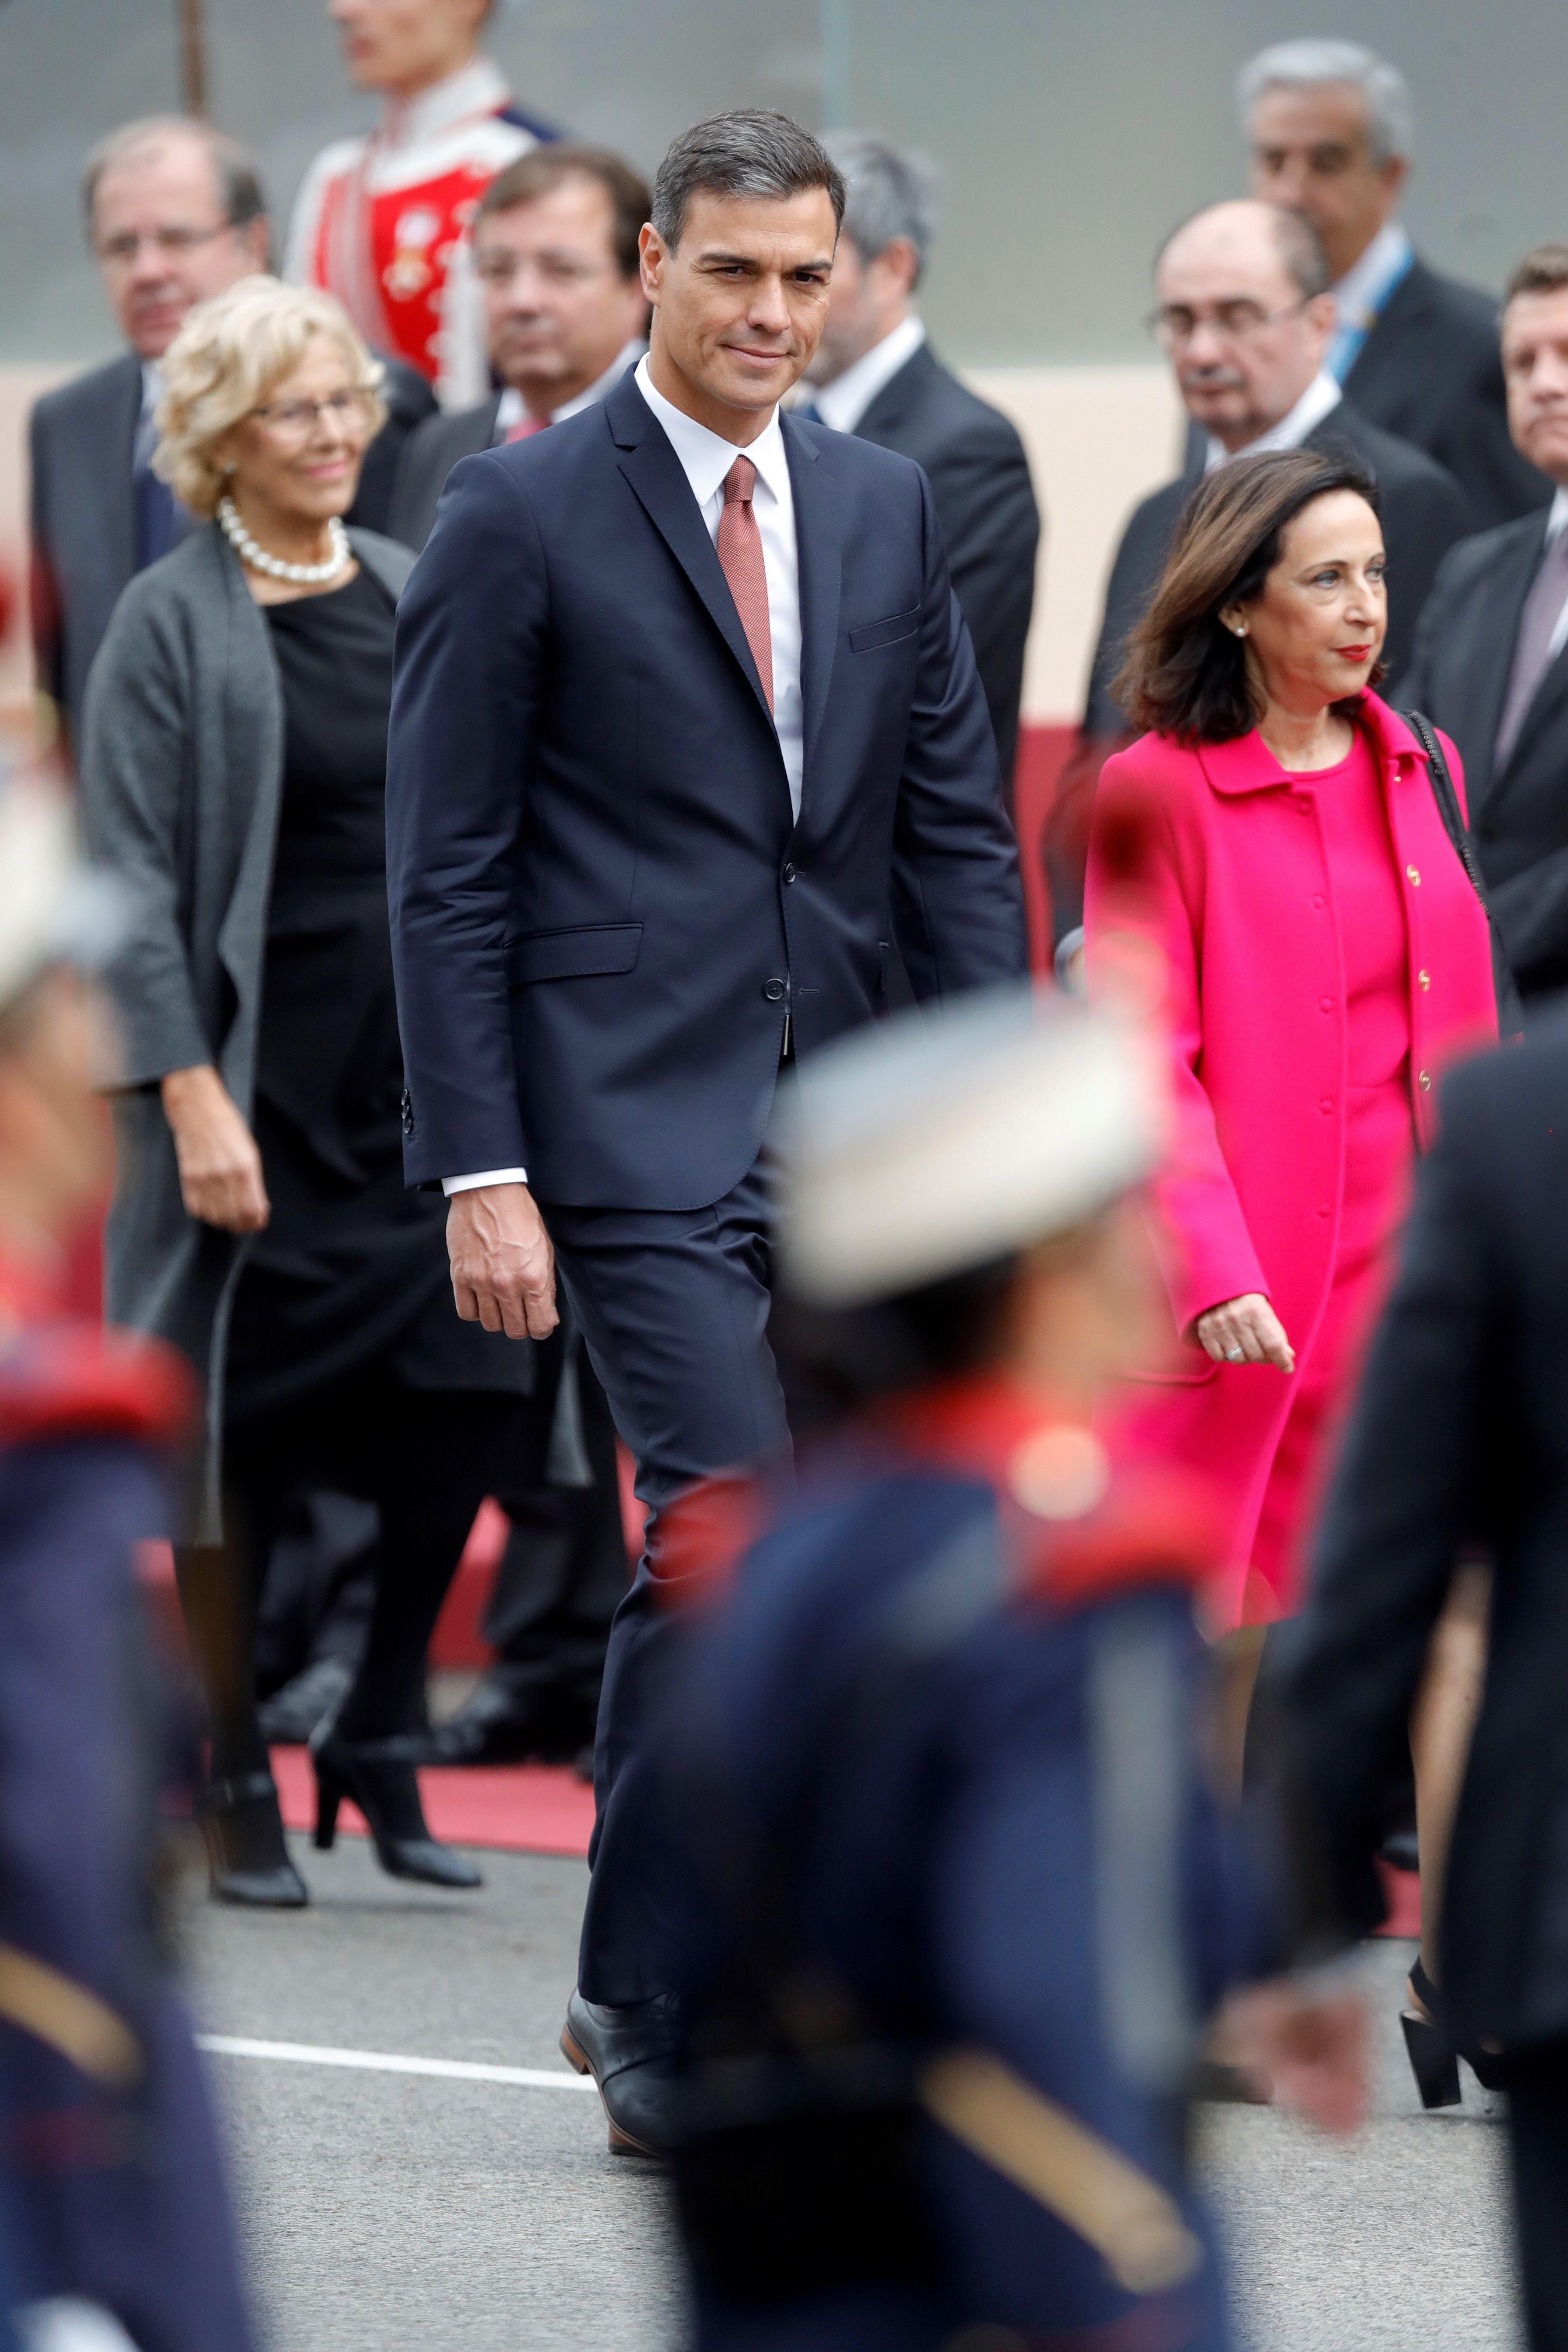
<point x="751" y="151"/>
<point x="235" y="170"/>
<point x="544" y="169"/>
<point x="1544" y="271"/>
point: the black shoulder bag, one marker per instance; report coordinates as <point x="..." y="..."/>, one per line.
<point x="1510" y="1011"/>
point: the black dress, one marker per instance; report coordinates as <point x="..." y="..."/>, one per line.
<point x="349" y="1275"/>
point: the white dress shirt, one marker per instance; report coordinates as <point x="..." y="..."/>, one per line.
<point x="1321" y="396"/>
<point x="705" y="458"/>
<point x="1556" y="524"/>
<point x="844" y="401"/>
<point x="511" y="411"/>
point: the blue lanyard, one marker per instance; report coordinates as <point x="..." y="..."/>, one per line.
<point x="1346" y="347"/>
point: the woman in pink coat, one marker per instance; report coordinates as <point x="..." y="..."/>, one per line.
<point x="1325" y="956"/>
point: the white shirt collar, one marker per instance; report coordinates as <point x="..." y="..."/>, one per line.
<point x="1557" y="517"/>
<point x="1360" y="293"/>
<point x="706" y="457"/>
<point x="478" y="88"/>
<point x="152" y="386"/>
<point x="1321" y="396"/>
<point x="511" y="411"/>
<point x="844" y="401"/>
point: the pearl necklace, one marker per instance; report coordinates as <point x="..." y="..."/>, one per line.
<point x="299" y="575"/>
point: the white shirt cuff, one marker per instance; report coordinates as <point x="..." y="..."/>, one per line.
<point x="450" y="1184"/>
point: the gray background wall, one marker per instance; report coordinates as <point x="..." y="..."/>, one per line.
<point x="1070" y="135"/>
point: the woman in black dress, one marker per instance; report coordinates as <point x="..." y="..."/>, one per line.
<point x="233" y="764"/>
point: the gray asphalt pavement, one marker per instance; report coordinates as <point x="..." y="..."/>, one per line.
<point x="384" y="2212"/>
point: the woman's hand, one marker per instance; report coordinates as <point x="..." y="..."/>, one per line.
<point x="220" y="1166"/>
<point x="1246" y="1331"/>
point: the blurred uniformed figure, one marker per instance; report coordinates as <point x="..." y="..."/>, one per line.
<point x="961" y="1903"/>
<point x="115" y="2220"/>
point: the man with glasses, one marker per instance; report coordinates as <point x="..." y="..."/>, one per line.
<point x="555" y="253"/>
<point x="175" y="212"/>
<point x="1244" y="314"/>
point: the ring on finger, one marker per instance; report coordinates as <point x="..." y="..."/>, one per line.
<point x="1236" y="1355"/>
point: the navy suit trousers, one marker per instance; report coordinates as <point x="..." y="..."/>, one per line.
<point x="673" y="1306"/>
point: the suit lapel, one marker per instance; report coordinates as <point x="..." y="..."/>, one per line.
<point x="658" y="478"/>
<point x="122" y="411"/>
<point x="820" y="544"/>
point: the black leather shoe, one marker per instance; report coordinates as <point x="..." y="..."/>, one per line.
<point x="378" y="1775"/>
<point x="248" y="1861"/>
<point x="629" y="2054"/>
<point x="291" y="1713"/>
<point x="497" y="1727"/>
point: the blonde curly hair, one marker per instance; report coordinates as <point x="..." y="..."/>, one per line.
<point x="226" y="359"/>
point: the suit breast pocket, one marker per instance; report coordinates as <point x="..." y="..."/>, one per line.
<point x="875" y="634"/>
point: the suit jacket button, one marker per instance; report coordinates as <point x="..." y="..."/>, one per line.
<point x="1425" y="978"/>
<point x="789" y="874"/>
<point x="1424" y="1080"/>
<point x="407" y="1112"/>
<point x="774" y="990"/>
<point x="1412" y="875"/>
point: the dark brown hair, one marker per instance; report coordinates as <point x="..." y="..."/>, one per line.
<point x="544" y="169"/>
<point x="1183" y="673"/>
<point x="753" y="151"/>
<point x="1544" y="271"/>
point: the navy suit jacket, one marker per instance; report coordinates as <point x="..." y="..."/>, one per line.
<point x="601" y="907"/>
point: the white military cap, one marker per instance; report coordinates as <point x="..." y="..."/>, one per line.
<point x="938" y="1139"/>
<point x="53" y="910"/>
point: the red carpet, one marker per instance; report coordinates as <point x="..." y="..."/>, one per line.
<point x="514" y="1808"/>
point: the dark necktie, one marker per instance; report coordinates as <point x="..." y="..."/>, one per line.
<point x="1532" y="647"/>
<point x="741" y="554"/>
<point x="154" y="502"/>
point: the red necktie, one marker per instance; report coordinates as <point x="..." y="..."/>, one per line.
<point x="741" y="554"/>
<point x="530" y="424"/>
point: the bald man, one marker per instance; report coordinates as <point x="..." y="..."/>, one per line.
<point x="1244" y="314"/>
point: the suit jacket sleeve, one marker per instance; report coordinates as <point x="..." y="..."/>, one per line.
<point x="957" y="898"/>
<point x="135" y="757"/>
<point x="991" y="527"/>
<point x="470" y="636"/>
<point x="1402" y="1504"/>
<point x="1205" y="1250"/>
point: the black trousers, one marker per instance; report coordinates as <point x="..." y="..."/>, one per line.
<point x="673" y="1306"/>
<point x="1538" y="2136"/>
<point x="563" y="1573"/>
<point x="426" y="1458"/>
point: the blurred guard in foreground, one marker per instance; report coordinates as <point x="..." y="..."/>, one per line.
<point x="962" y="1901"/>
<point x="108" y="2167"/>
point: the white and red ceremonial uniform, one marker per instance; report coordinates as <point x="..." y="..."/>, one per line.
<point x="381" y="222"/>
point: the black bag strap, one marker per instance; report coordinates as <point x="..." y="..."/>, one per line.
<point x="1448" y="800"/>
<point x="1510" y="1012"/>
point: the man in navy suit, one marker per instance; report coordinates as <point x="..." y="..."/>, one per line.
<point x="687" y="736"/>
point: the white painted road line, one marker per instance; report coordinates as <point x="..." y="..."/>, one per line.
<point x="387" y="2062"/>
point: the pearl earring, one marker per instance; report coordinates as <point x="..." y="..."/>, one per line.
<point x="1241" y="628"/>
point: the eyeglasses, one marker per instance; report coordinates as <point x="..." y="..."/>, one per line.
<point x="170" y="244"/>
<point x="296" y="420"/>
<point x="1173" y="325"/>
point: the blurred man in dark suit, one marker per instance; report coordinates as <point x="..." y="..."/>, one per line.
<point x="1489" y="664"/>
<point x="1457" y="1442"/>
<point x="875" y="374"/>
<point x="175" y="214"/>
<point x="1245" y="315"/>
<point x="555" y="253"/>
<point x="1332" y="132"/>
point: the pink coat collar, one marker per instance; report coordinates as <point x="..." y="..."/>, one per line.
<point x="1245" y="764"/>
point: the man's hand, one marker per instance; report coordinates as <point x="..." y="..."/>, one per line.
<point x="503" y="1268"/>
<point x="220" y="1166"/>
<point x="1308" y="2048"/>
<point x="1246" y="1331"/>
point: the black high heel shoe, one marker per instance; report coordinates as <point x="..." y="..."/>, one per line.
<point x="1434" y="2061"/>
<point x="378" y="1776"/>
<point x="248" y="1861"/>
